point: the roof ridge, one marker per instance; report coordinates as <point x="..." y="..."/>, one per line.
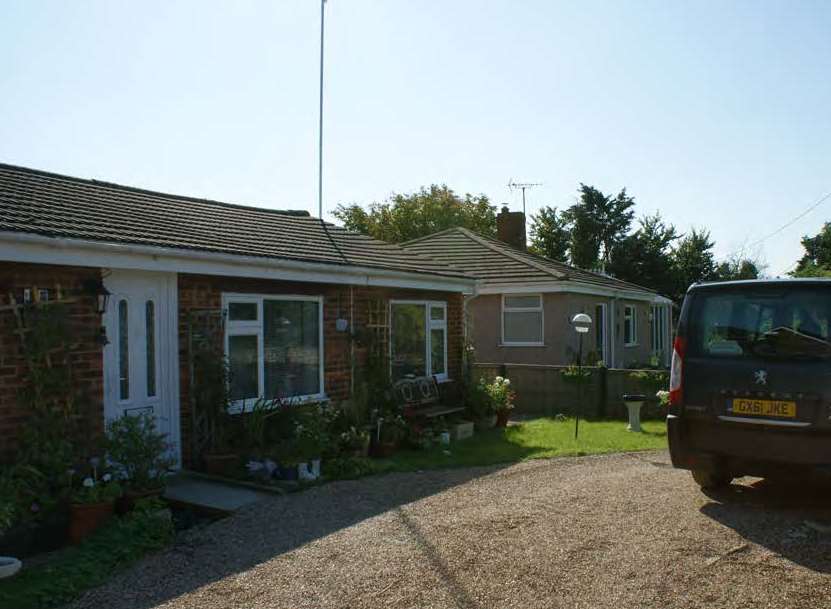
<point x="491" y="244"/>
<point x="296" y="213"/>
<point x="431" y="235"/>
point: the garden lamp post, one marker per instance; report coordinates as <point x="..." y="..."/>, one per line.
<point x="581" y="323"/>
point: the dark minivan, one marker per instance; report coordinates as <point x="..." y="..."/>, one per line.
<point x="750" y="384"/>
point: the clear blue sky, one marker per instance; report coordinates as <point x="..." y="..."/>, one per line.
<point x="718" y="114"/>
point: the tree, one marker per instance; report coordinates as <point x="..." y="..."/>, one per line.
<point x="597" y="223"/>
<point x="693" y="261"/>
<point x="409" y="216"/>
<point x="738" y="268"/>
<point x="550" y="234"/>
<point x="816" y="262"/>
<point x="645" y="257"/>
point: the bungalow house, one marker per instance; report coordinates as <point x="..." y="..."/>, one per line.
<point x="289" y="293"/>
<point x="522" y="309"/>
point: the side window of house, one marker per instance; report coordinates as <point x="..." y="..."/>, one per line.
<point x="522" y="320"/>
<point x="418" y="342"/>
<point x="274" y="346"/>
<point x="658" y="323"/>
<point x="630" y="325"/>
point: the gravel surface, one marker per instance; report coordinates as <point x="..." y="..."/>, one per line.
<point x="594" y="532"/>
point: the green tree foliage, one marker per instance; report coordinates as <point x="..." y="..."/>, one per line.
<point x="550" y="234"/>
<point x="738" y="268"/>
<point x="645" y="256"/>
<point x="597" y="223"/>
<point x="409" y="216"/>
<point x="693" y="260"/>
<point x="816" y="262"/>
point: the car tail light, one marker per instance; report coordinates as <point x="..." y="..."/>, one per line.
<point x="676" y="373"/>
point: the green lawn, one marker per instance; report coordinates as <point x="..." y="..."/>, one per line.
<point x="533" y="439"/>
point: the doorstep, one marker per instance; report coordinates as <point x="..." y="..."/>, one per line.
<point x="210" y="496"/>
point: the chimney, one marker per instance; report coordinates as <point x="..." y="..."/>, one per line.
<point x="510" y="228"/>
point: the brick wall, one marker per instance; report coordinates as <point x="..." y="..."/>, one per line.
<point x="87" y="357"/>
<point x="202" y="292"/>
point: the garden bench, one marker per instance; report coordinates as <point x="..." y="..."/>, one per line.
<point x="420" y="397"/>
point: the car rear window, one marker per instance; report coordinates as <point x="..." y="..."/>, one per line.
<point x="767" y="323"/>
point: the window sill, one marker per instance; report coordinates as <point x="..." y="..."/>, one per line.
<point x="242" y="406"/>
<point x="629" y="345"/>
<point x="521" y="345"/>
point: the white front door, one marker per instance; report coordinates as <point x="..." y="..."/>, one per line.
<point x="141" y="360"/>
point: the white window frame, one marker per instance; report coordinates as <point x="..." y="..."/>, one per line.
<point x="430" y="324"/>
<point x="538" y="309"/>
<point x="633" y="335"/>
<point x="256" y="328"/>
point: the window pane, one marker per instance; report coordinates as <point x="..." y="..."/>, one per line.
<point x="409" y="340"/>
<point x="527" y="302"/>
<point x="292" y="348"/>
<point x="244" y="369"/>
<point x="523" y="327"/>
<point x="123" y="352"/>
<point x="242" y="311"/>
<point x="599" y="330"/>
<point x="150" y="336"/>
<point x="437" y="363"/>
<point x="437" y="313"/>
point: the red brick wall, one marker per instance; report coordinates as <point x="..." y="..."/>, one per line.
<point x="87" y="358"/>
<point x="205" y="292"/>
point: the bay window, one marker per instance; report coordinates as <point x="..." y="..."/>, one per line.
<point x="274" y="346"/>
<point x="418" y="340"/>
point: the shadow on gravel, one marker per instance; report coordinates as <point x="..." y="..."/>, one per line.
<point x="789" y="518"/>
<point x="276" y="527"/>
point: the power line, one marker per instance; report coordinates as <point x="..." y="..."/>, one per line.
<point x="791" y="222"/>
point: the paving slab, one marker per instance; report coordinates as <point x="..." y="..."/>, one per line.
<point x="210" y="495"/>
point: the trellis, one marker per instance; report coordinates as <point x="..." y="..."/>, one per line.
<point x="206" y="330"/>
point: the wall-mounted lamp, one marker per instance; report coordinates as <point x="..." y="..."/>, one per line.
<point x="94" y="288"/>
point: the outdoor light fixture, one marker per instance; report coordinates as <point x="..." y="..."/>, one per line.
<point x="582" y="323"/>
<point x="95" y="289"/>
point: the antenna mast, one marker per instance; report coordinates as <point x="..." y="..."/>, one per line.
<point x="522" y="186"/>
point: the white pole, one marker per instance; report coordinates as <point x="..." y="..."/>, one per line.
<point x="320" y="123"/>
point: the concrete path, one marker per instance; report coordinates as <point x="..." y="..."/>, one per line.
<point x="211" y="495"/>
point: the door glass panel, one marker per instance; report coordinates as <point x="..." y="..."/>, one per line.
<point x="409" y="340"/>
<point x="437" y="313"/>
<point x="123" y="352"/>
<point x="150" y="341"/>
<point x="244" y="369"/>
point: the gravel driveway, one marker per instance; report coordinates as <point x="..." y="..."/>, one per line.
<point x="611" y="531"/>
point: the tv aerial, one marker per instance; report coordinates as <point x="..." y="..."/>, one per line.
<point x="523" y="186"/>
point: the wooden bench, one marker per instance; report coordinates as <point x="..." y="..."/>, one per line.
<point x="420" y="397"/>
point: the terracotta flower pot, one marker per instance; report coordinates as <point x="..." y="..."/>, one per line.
<point x="85" y="518"/>
<point x="502" y="417"/>
<point x="220" y="464"/>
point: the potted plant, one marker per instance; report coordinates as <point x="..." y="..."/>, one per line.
<point x="92" y="503"/>
<point x="142" y="456"/>
<point x="502" y="398"/>
<point x="482" y="407"/>
<point x="286" y="455"/>
<point x="211" y="399"/>
<point x="390" y="430"/>
<point x="355" y="442"/>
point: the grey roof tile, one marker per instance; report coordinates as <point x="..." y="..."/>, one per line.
<point x="54" y="205"/>
<point x="495" y="262"/>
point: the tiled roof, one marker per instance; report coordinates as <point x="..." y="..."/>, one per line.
<point x="495" y="262"/>
<point x="53" y="205"/>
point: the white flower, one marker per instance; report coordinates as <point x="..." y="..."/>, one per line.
<point x="88" y="482"/>
<point x="507" y="381"/>
<point x="106" y="477"/>
<point x="498" y="379"/>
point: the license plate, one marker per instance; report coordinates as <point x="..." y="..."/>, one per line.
<point x="764" y="408"/>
